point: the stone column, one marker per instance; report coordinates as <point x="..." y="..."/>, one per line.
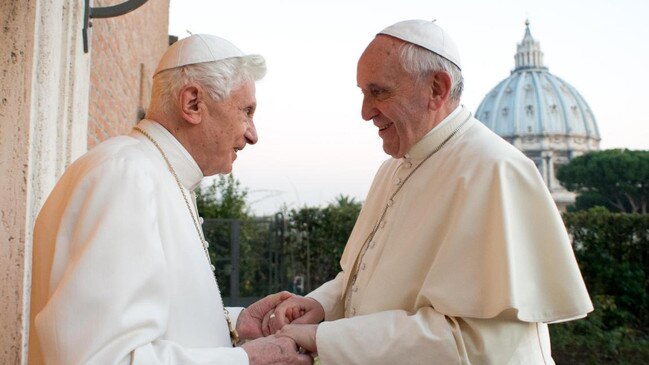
<point x="44" y="80"/>
<point x="549" y="165"/>
<point x="552" y="184"/>
<point x="544" y="167"/>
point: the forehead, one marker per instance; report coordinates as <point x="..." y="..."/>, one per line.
<point x="380" y="62"/>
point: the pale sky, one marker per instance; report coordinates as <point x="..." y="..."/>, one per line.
<point x="313" y="144"/>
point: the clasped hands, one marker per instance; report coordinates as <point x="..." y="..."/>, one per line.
<point x="279" y="318"/>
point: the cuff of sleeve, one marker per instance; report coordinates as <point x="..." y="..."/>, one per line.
<point x="331" y="305"/>
<point x="325" y="339"/>
<point x="234" y="314"/>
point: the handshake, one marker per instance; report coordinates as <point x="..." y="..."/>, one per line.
<point x="280" y="329"/>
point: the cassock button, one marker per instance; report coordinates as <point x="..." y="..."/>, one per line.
<point x="213" y="268"/>
<point x="408" y="164"/>
<point x="363" y="266"/>
<point x="382" y="224"/>
<point x="390" y="202"/>
<point x="355" y="289"/>
<point x="398" y="181"/>
<point x="372" y="244"/>
<point x="201" y="220"/>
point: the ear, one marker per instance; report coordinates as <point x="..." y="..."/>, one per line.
<point x="440" y="89"/>
<point x="192" y="103"/>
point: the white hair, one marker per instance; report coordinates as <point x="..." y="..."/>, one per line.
<point x="420" y="61"/>
<point x="218" y="78"/>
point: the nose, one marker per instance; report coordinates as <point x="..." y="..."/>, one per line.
<point x="251" y="133"/>
<point x="368" y="111"/>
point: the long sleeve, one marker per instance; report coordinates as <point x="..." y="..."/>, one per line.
<point x="505" y="340"/>
<point x="389" y="337"/>
<point x="102" y="279"/>
<point x="429" y="337"/>
<point x="328" y="295"/>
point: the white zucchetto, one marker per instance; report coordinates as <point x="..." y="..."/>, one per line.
<point x="197" y="48"/>
<point x="428" y="35"/>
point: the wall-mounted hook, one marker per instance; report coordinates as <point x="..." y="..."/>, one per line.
<point x="105" y="12"/>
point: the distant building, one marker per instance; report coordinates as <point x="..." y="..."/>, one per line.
<point x="542" y="115"/>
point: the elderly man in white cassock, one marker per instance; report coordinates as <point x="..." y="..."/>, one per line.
<point x="121" y="271"/>
<point x="459" y="255"/>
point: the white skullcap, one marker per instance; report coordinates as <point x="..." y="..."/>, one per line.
<point x="197" y="48"/>
<point x="425" y="34"/>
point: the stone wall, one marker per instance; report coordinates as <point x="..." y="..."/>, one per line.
<point x="16" y="62"/>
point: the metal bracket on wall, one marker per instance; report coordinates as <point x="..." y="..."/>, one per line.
<point x="105" y="12"/>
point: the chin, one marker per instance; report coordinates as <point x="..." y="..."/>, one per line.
<point x="218" y="171"/>
<point x="390" y="151"/>
<point x="225" y="171"/>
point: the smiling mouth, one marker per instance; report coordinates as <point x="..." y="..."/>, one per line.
<point x="384" y="127"/>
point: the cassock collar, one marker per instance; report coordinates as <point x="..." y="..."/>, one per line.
<point x="186" y="168"/>
<point x="438" y="134"/>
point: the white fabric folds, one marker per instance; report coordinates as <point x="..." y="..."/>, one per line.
<point x="474" y="232"/>
<point x="119" y="272"/>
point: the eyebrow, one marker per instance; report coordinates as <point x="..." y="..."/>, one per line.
<point x="374" y="86"/>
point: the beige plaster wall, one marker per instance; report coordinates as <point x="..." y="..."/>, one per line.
<point x="16" y="65"/>
<point x="43" y="126"/>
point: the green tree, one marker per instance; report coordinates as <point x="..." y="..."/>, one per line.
<point x="224" y="207"/>
<point x="224" y="198"/>
<point x="316" y="239"/>
<point x="616" y="179"/>
<point x="613" y="253"/>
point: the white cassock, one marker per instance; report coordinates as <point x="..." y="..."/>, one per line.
<point x="119" y="272"/>
<point x="468" y="264"/>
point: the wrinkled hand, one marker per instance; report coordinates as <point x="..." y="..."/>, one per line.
<point x="297" y="310"/>
<point x="273" y="350"/>
<point x="249" y="323"/>
<point x="303" y="334"/>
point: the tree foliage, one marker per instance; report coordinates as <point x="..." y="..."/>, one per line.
<point x="616" y="179"/>
<point x="224" y="198"/>
<point x="309" y="247"/>
<point x="613" y="253"/>
<point x="223" y="206"/>
<point x="316" y="238"/>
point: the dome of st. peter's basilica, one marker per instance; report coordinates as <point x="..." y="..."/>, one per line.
<point x="542" y="115"/>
